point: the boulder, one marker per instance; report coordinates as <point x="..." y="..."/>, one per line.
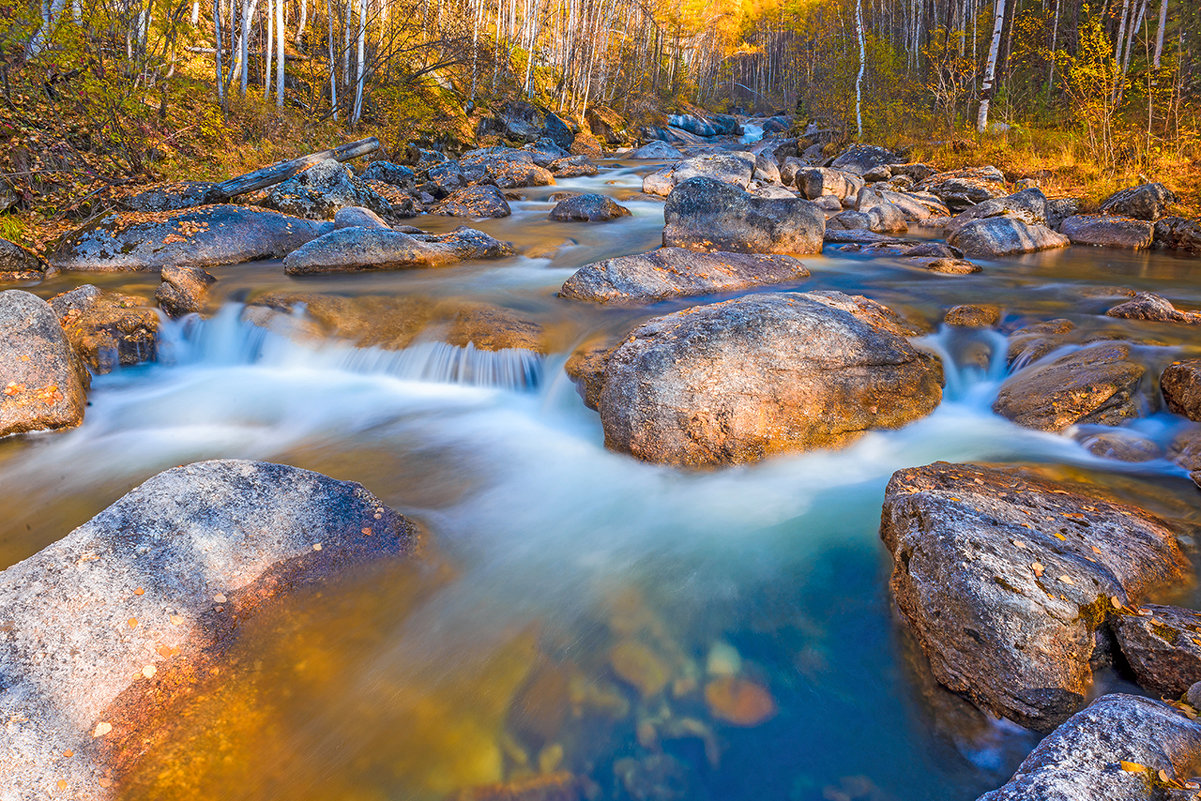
<point x="209" y="236"/>
<point x="1104" y="231"/>
<point x="916" y="206"/>
<point x="883" y="218"/>
<point x="744" y="379"/>
<point x="318" y="192"/>
<point x="695" y="125"/>
<point x="107" y="629"/>
<point x="766" y="170"/>
<point x="359" y="217"/>
<point x="677" y="272"/>
<point x="1005" y="580"/>
<point x="948" y="265"/>
<point x="422" y="159"/>
<point x="401" y="204"/>
<point x="814" y="182"/>
<point x="573" y="167"/>
<point x="731" y="168"/>
<point x="1181" y="386"/>
<point x="397" y="175"/>
<point x="1155" y="309"/>
<point x="1178" y="233"/>
<point x="1032" y="342"/>
<point x="1162" y="645"/>
<point x="184" y="290"/>
<point x="1143" y="202"/>
<point x="1028" y="206"/>
<point x="586" y="144"/>
<point x="706" y="214"/>
<point x="995" y="237"/>
<point x="1097" y="384"/>
<point x="557" y="131"/>
<point x="860" y="159"/>
<point x="1112" y="751"/>
<point x="358" y="249"/>
<point x="588" y="208"/>
<point x="973" y="316"/>
<point x="605" y="124"/>
<point x="168" y="197"/>
<point x="19" y="264"/>
<point x="107" y="329"/>
<point x="960" y="189"/>
<point x="443" y="179"/>
<point x="475" y="201"/>
<point x="1059" y="209"/>
<point x="42" y="382"/>
<point x="660" y="182"/>
<point x="520" y="121"/>
<point x="915" y="171"/>
<point x="656" y="150"/>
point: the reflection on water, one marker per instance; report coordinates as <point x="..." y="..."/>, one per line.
<point x="618" y="629"/>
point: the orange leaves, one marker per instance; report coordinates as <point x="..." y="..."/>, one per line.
<point x="102" y="728"/>
<point x="13" y="388"/>
<point x="1038" y="569"/>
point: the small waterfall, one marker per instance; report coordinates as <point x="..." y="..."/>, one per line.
<point x="973" y="359"/>
<point x="751" y="133"/>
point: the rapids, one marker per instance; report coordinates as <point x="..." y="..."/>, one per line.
<point x="492" y="658"/>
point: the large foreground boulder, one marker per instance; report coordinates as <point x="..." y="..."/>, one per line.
<point x="677" y="272"/>
<point x="1112" y="751"/>
<point x="109" y="626"/>
<point x="209" y="236"/>
<point x="994" y="237"/>
<point x="358" y="249"/>
<point x="42" y="383"/>
<point x="748" y="378"/>
<point x="1101" y="230"/>
<point x="706" y="214"/>
<point x="1006" y="580"/>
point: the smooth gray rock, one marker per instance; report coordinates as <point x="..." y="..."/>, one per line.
<point x="318" y="192"/>
<point x="706" y="214"/>
<point x="676" y="272"/>
<point x="656" y="150"/>
<point x="359" y="249"/>
<point x="210" y="236"/>
<point x="184" y="290"/>
<point x="1143" y="202"/>
<point x="1100" y="230"/>
<point x="168" y="197"/>
<point x="42" y="382"/>
<point x="736" y="169"/>
<point x="815" y="182"/>
<point x="359" y="217"/>
<point x="1028" y="206"/>
<point x="103" y="628"/>
<point x="1082" y="759"/>
<point x="914" y="205"/>
<point x="1005" y="580"/>
<point x="590" y="207"/>
<point x="995" y="237"/>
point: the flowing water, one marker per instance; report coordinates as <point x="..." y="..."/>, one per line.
<point x="576" y="610"/>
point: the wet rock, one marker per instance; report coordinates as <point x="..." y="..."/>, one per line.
<point x="318" y="192"/>
<point x="1143" y="202"/>
<point x="475" y="201"/>
<point x="573" y="167"/>
<point x="947" y="265"/>
<point x="994" y="237"/>
<point x="397" y="175"/>
<point x="1108" y="232"/>
<point x="748" y="378"/>
<point x="1097" y="384"/>
<point x="19" y="264"/>
<point x="168" y="197"/>
<point x="1122" y="446"/>
<point x="973" y="316"/>
<point x="1005" y="580"/>
<point x="657" y="777"/>
<point x="184" y="290"/>
<point x="677" y="272"/>
<point x="738" y="701"/>
<point x="1181" y="386"/>
<point x="588" y="208"/>
<point x="586" y="367"/>
<point x="1028" y="206"/>
<point x="1083" y="759"/>
<point x="42" y="383"/>
<point x="916" y="207"/>
<point x="882" y="218"/>
<point x="559" y="786"/>
<point x="108" y="627"/>
<point x="1031" y="343"/>
<point x="656" y="150"/>
<point x="356" y="249"/>
<point x="860" y="159"/>
<point x="520" y="121"/>
<point x="1162" y="645"/>
<point x="706" y="214"/>
<point x="1178" y="233"/>
<point x="1153" y="308"/>
<point x="961" y="189"/>
<point x="359" y="217"/>
<point x="107" y="329"/>
<point x="204" y="237"/>
<point x="818" y="181"/>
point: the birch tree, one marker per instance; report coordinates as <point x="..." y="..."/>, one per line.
<point x="990" y="69"/>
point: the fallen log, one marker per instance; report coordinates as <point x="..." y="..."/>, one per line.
<point x="282" y="171"/>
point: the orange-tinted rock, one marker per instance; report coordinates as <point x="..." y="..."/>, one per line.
<point x="739" y="701"/>
<point x="640" y="667"/>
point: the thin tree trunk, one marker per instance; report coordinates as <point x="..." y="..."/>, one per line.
<point x="1163" y="23"/>
<point x="304" y="18"/>
<point x="862" y="67"/>
<point x="990" y="69"/>
<point x="279" y="53"/>
<point x="217" y="39"/>
<point x="333" y="72"/>
<point x="51" y="9"/>
<point x="360" y="71"/>
<point x="269" y="49"/>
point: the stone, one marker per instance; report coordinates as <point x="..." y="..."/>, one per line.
<point x="573" y="167"/>
<point x="1143" y="202"/>
<point x="402" y="205"/>
<point x="815" y="182"/>
<point x="42" y="382"/>
<point x="162" y="578"/>
<point x="766" y="170"/>
<point x="590" y="207"/>
<point x="1096" y="384"/>
<point x="660" y="182"/>
<point x="706" y="214"/>
<point x="738" y="701"/>
<point x="656" y="150"/>
<point x="168" y="197"/>
<point x="475" y="201"/>
<point x="1178" y="233"/>
<point x="860" y="159"/>
<point x="357" y="249"/>
<point x="637" y="665"/>
<point x="184" y="290"/>
<point x="19" y="264"/>
<point x="209" y="236"/>
<point x="1162" y="645"/>
<point x="605" y="124"/>
<point x="423" y="159"/>
<point x="1005" y="579"/>
<point x="736" y="169"/>
<point x="677" y="272"/>
<point x="1121" y="445"/>
<point x="586" y="144"/>
<point x="557" y="131"/>
<point x="1155" y="309"/>
<point x="444" y="179"/>
<point x="960" y="189"/>
<point x="107" y="329"/>
<point x="1032" y="342"/>
<point x="973" y="316"/>
<point x="397" y="175"/>
<point x="1181" y="387"/>
<point x="916" y="207"/>
<point x="520" y="121"/>
<point x="995" y="237"/>
<point x="359" y="217"/>
<point x="1104" y="231"/>
<point x="744" y="379"/>
<point x="1028" y="206"/>
<point x="884" y="218"/>
<point x="1059" y="209"/>
<point x="943" y="264"/>
<point x="318" y="192"/>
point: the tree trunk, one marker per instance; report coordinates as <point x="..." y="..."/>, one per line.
<point x="51" y="9"/>
<point x="990" y="69"/>
<point x="862" y="67"/>
<point x="217" y="39"/>
<point x="279" y="53"/>
<point x="282" y="171"/>
<point x="304" y="19"/>
<point x="360" y="69"/>
<point x="269" y="49"/>
<point x="333" y="72"/>
<point x="1163" y="23"/>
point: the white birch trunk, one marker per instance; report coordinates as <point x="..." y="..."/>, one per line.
<point x="990" y="68"/>
<point x="1163" y="23"/>
<point x="279" y="53"/>
<point x="360" y="71"/>
<point x="862" y="67"/>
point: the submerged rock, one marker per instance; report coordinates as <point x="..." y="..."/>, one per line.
<point x="108" y="627"/>
<point x="1155" y="309"/>
<point x="42" y="383"/>
<point x="1101" y="230"/>
<point x="474" y="201"/>
<point x="1112" y="751"/>
<point x="184" y="290"/>
<point x="1162" y="645"/>
<point x="748" y="378"/>
<point x="1097" y="384"/>
<point x="204" y="237"/>
<point x="1006" y="579"/>
<point x="994" y="237"/>
<point x="19" y="264"/>
<point x="739" y="701"/>
<point x="1143" y="202"/>
<point x="705" y="214"/>
<point x="107" y="329"/>
<point x="677" y="272"/>
<point x="358" y="249"/>
<point x="590" y="207"/>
